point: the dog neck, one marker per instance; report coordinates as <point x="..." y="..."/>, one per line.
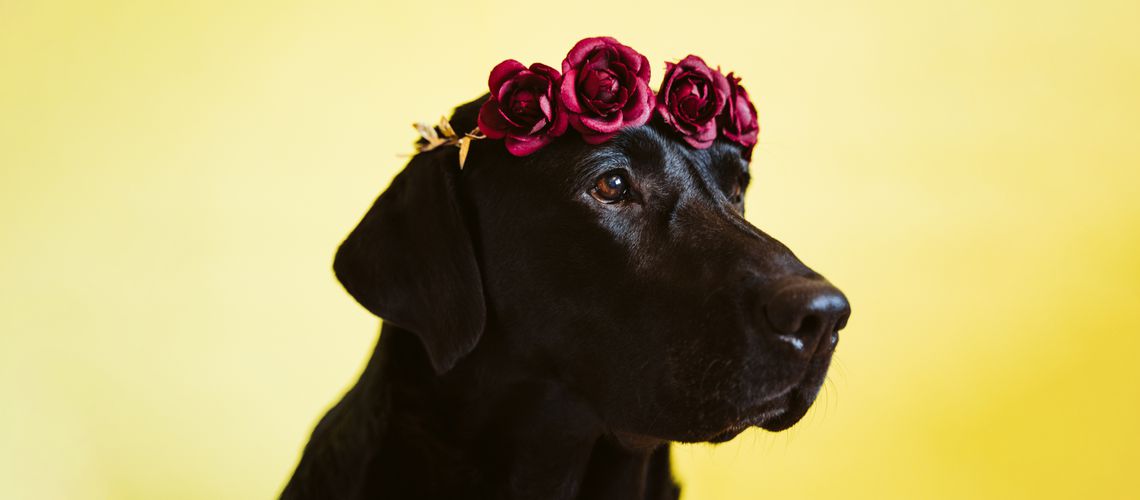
<point x="404" y="432"/>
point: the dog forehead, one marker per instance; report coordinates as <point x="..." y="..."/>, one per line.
<point x="647" y="145"/>
<point x="649" y="150"/>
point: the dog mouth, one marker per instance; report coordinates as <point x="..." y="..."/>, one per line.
<point x="776" y="416"/>
<point x="763" y="419"/>
<point x="781" y="412"/>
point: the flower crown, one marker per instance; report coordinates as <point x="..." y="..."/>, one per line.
<point x="603" y="88"/>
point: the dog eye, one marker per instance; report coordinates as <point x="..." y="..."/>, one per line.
<point x="611" y="187"/>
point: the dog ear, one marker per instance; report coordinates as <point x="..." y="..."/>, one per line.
<point x="411" y="260"/>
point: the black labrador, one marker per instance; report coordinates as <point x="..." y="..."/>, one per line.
<point x="552" y="322"/>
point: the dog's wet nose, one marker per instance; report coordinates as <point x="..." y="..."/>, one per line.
<point x="807" y="312"/>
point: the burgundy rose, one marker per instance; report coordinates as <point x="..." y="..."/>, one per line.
<point x="738" y="122"/>
<point x="522" y="107"/>
<point x="690" y="99"/>
<point x="605" y="87"/>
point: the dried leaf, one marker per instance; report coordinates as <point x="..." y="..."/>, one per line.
<point x="427" y="132"/>
<point x="445" y="127"/>
<point x="432" y="140"/>
<point x="464" y="145"/>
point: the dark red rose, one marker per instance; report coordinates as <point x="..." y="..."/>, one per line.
<point x="523" y="107"/>
<point x="738" y="122"/>
<point x="605" y="87"/>
<point x="690" y="99"/>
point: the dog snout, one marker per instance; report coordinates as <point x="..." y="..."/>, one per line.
<point x="808" y="314"/>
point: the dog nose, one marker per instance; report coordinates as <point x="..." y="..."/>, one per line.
<point x="807" y="312"/>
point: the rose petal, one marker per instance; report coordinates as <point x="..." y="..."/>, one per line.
<point x="502" y="72"/>
<point x="694" y="63"/>
<point x="663" y="110"/>
<point x="667" y="83"/>
<point x="544" y="70"/>
<point x="569" y="93"/>
<point x="537" y="127"/>
<point x="622" y="74"/>
<point x="505" y="90"/>
<point x="720" y="90"/>
<point x="545" y="107"/>
<point x="490" y="122"/>
<point x="697" y="143"/>
<point x="703" y="138"/>
<point x="639" y="106"/>
<point x="534" y="81"/>
<point x="621" y="98"/>
<point x="642" y="69"/>
<point x="559" y="124"/>
<point x="582" y="49"/>
<point x="522" y="146"/>
<point x="604" y="125"/>
<point x="596" y="105"/>
<point x="636" y="62"/>
<point x="512" y="125"/>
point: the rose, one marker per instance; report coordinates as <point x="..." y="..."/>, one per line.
<point x="522" y="107"/>
<point x="605" y="87"/>
<point x="738" y="120"/>
<point x="690" y="99"/>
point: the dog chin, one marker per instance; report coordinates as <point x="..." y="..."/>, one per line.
<point x="775" y="416"/>
<point x="759" y="420"/>
<point x="793" y="412"/>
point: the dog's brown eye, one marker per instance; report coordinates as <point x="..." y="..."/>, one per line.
<point x="611" y="188"/>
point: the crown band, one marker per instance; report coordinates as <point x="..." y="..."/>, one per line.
<point x="604" y="87"/>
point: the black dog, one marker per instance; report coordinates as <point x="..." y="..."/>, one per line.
<point x="552" y="322"/>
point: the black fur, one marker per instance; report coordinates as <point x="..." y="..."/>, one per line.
<point x="538" y="343"/>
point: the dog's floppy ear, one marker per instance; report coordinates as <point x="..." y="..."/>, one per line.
<point x="411" y="260"/>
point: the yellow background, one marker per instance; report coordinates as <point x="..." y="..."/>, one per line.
<point x="174" y="180"/>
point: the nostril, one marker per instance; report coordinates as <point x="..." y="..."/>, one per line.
<point x="810" y="325"/>
<point x="802" y="312"/>
<point x="839" y="325"/>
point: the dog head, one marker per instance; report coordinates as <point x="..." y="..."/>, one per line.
<point x="625" y="269"/>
